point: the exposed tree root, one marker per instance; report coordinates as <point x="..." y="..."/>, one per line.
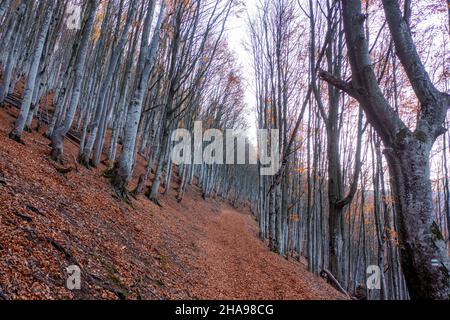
<point x="56" y="156"/>
<point x="156" y="201"/>
<point x="119" y="187"/>
<point x="62" y="170"/>
<point x="16" y="137"/>
<point x="83" y="161"/>
<point x="124" y="196"/>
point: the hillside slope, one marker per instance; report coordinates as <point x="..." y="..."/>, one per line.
<point x="194" y="250"/>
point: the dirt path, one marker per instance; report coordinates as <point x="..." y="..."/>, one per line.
<point x="239" y="266"/>
<point x="196" y="249"/>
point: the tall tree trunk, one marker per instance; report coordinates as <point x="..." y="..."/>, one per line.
<point x="58" y="134"/>
<point x="123" y="170"/>
<point x="422" y="249"/>
<point x="424" y="257"/>
<point x="31" y="80"/>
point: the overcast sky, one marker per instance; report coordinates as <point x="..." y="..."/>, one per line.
<point x="237" y="33"/>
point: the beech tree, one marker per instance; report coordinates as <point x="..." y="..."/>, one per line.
<point x="79" y="70"/>
<point x="424" y="255"/>
<point x="30" y="86"/>
<point x="147" y="58"/>
<point x="362" y="139"/>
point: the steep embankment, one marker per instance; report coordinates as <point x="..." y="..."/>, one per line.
<point x="193" y="250"/>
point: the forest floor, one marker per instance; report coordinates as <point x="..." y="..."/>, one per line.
<point x="191" y="250"/>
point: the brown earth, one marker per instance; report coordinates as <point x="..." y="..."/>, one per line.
<point x="194" y="250"/>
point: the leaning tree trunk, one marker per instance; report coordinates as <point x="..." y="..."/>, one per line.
<point x="124" y="167"/>
<point x="58" y="135"/>
<point x="101" y="102"/>
<point x="31" y="81"/>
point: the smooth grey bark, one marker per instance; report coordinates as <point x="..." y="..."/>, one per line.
<point x="123" y="170"/>
<point x="106" y="84"/>
<point x="337" y="200"/>
<point x="376" y="169"/>
<point x="15" y="28"/>
<point x="78" y="74"/>
<point x="31" y="80"/>
<point x="424" y="257"/>
<point x="13" y="20"/>
<point x="7" y="73"/>
<point x="120" y="118"/>
<point x="4" y="5"/>
<point x="160" y="165"/>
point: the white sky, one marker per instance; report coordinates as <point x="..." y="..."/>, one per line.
<point x="237" y="34"/>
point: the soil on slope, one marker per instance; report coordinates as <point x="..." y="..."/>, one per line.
<point x="194" y="250"/>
